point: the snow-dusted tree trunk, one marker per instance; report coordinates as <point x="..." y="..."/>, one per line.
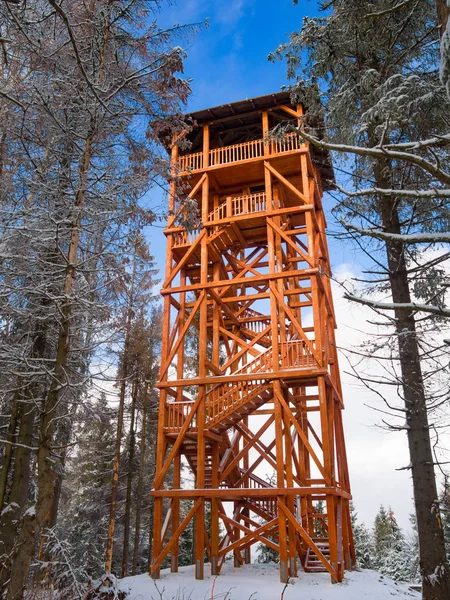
<point x="433" y="560"/>
<point x="75" y="77"/>
<point x="374" y="65"/>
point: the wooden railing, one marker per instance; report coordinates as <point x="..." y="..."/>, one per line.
<point x="236" y="153"/>
<point x="191" y="162"/>
<point x="289" y="143"/>
<point x="257" y="323"/>
<point x="260" y="364"/>
<point x="184" y="237"/>
<point x="240" y="205"/>
<point x="176" y="415"/>
<point x="225" y="398"/>
<point x="296" y="355"/>
<point x="239" y="152"/>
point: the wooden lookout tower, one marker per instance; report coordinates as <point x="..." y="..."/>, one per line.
<point x="250" y="394"/>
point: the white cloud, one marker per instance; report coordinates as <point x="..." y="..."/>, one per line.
<point x="374" y="454"/>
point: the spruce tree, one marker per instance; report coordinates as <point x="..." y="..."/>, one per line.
<point x="363" y="541"/>
<point x="391" y="551"/>
<point x="375" y="67"/>
<point x="84" y="515"/>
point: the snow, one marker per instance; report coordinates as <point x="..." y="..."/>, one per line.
<point x="261" y="582"/>
<point x="31" y="512"/>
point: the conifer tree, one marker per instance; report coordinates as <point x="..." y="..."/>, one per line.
<point x="375" y="66"/>
<point x="363" y="541"/>
<point x="84" y="516"/>
<point x="391" y="552"/>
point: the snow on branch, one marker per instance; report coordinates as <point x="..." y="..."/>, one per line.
<point x="414" y="307"/>
<point x="409" y="238"/>
<point x="381" y="153"/>
<point x="431" y="193"/>
<point x="389" y="10"/>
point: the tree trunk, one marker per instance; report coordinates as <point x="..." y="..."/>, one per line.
<point x="10" y="437"/>
<point x="137" y="527"/>
<point x="433" y="562"/>
<point x="116" y="463"/>
<point x="443" y="13"/>
<point x="152" y="429"/>
<point x="131" y="447"/>
<point x="18" y="495"/>
<point x="48" y="463"/>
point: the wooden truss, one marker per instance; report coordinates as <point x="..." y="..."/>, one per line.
<point x="251" y="290"/>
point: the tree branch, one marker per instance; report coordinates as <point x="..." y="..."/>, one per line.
<point x="381" y="153"/>
<point x="409" y="238"/>
<point x="434" y="310"/>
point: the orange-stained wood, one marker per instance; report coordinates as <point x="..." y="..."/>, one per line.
<point x="250" y="392"/>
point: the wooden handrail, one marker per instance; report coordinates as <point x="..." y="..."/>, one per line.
<point x="224" y="398"/>
<point x="239" y="205"/>
<point x="239" y="152"/>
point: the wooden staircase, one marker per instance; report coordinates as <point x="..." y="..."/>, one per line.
<point x="312" y="562"/>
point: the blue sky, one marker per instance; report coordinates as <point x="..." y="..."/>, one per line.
<point x="228" y="60"/>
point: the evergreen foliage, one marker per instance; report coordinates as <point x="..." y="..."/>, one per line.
<point x="363" y="541"/>
<point x="87" y="488"/>
<point x="375" y="68"/>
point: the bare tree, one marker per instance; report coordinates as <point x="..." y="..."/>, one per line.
<point x="81" y="84"/>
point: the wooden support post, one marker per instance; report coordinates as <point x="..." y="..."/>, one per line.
<point x="281" y="483"/>
<point x="265" y="132"/>
<point x="175" y="513"/>
<point x="215" y="512"/>
<point x="292" y="546"/>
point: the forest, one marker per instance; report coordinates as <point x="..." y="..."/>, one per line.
<point x="89" y="89"/>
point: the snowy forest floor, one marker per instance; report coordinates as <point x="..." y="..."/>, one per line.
<point x="261" y="582"/>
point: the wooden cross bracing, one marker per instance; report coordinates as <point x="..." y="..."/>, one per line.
<point x="249" y="382"/>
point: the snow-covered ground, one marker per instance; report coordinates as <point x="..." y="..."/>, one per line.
<point x="261" y="582"/>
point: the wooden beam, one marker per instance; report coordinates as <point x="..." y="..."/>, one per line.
<point x="287" y="183"/>
<point x="230" y="494"/>
<point x="307" y="539"/>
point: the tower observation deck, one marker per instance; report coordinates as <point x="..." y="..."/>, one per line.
<point x="250" y="393"/>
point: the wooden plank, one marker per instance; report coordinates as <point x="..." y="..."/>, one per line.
<point x="251" y="534"/>
<point x="295" y="323"/>
<point x="248" y="281"/>
<point x="162" y="472"/>
<point x="158" y="560"/>
<point x="181" y="335"/>
<point x="244" y="452"/>
<point x="287" y="183"/>
<point x="302" y="436"/>
<point x="290" y="243"/>
<point x="290" y="111"/>
<point x="304" y="374"/>
<point x="184" y="260"/>
<point x="236" y="493"/>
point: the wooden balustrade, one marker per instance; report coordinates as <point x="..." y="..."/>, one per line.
<point x="239" y="205"/>
<point x="184" y="237"/>
<point x="176" y="415"/>
<point x="190" y="162"/>
<point x="260" y="364"/>
<point x="289" y="143"/>
<point x="236" y="152"/>
<point x="239" y="152"/>
<point x="254" y="321"/>
<point x="296" y="355"/>
<point x="226" y="397"/>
